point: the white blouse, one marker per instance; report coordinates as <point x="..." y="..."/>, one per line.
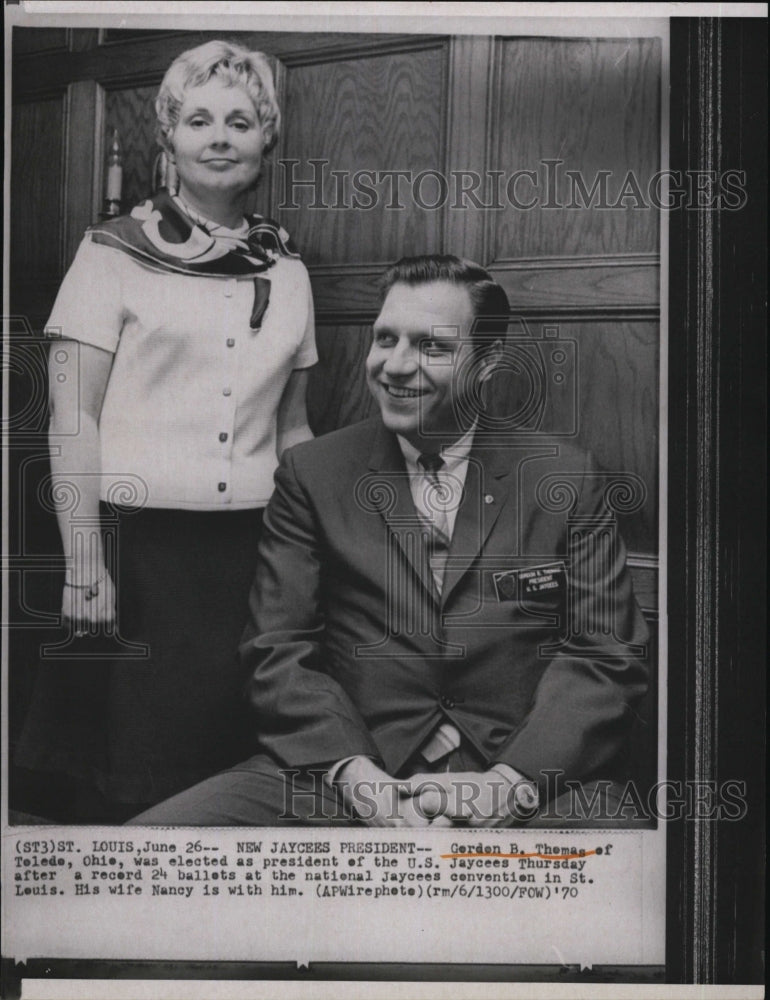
<point x="193" y="393"/>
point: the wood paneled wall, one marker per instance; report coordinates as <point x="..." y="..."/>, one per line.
<point x="38" y="130"/>
<point x="586" y="106"/>
<point x="368" y="112"/>
<point x="588" y="273"/>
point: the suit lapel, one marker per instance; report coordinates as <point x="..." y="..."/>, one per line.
<point x="388" y="485"/>
<point x="487" y="487"/>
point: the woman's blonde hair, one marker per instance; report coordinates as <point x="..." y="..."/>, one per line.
<point x="234" y="66"/>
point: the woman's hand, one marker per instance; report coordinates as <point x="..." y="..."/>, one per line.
<point x="90" y="608"/>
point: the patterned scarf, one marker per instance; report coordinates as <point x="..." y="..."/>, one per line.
<point x="159" y="235"/>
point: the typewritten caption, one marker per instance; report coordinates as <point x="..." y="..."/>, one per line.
<point x="375" y="869"/>
<point x="266" y="895"/>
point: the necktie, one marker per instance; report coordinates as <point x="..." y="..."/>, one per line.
<point x="435" y="496"/>
<point x="433" y="515"/>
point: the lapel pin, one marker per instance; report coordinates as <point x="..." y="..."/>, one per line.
<point x="488" y="498"/>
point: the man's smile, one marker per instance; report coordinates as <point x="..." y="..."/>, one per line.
<point x="402" y="392"/>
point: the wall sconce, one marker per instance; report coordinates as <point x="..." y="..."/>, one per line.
<point x="114" y="186"/>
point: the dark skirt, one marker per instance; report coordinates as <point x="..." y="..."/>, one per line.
<point x="159" y="705"/>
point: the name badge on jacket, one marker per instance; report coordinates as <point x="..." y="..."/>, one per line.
<point x="531" y="581"/>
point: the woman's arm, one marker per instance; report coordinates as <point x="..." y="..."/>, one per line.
<point x="291" y="418"/>
<point x="78" y="377"/>
<point x="292" y="426"/>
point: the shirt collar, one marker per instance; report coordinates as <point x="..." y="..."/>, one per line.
<point x="453" y="454"/>
<point x="214" y="229"/>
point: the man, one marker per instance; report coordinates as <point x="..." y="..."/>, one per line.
<point x="442" y="624"/>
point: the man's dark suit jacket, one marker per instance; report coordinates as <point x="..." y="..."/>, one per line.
<point x="352" y="651"/>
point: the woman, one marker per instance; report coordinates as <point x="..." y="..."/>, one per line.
<point x="186" y="332"/>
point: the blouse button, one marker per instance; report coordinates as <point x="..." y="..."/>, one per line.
<point x="231" y="342"/>
<point x="227" y="391"/>
<point x="223" y="436"/>
<point x="222" y="487"/>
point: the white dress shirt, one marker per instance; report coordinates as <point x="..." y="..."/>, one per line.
<point x="451" y="477"/>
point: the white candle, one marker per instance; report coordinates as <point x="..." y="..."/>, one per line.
<point x="114" y="182"/>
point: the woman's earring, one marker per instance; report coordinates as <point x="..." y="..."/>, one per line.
<point x="172" y="177"/>
<point x="164" y="173"/>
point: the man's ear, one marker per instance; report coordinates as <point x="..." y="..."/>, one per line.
<point x="490" y="359"/>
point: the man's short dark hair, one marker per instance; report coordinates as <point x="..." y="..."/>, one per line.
<point x="490" y="303"/>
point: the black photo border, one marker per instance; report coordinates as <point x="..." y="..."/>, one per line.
<point x="717" y="501"/>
